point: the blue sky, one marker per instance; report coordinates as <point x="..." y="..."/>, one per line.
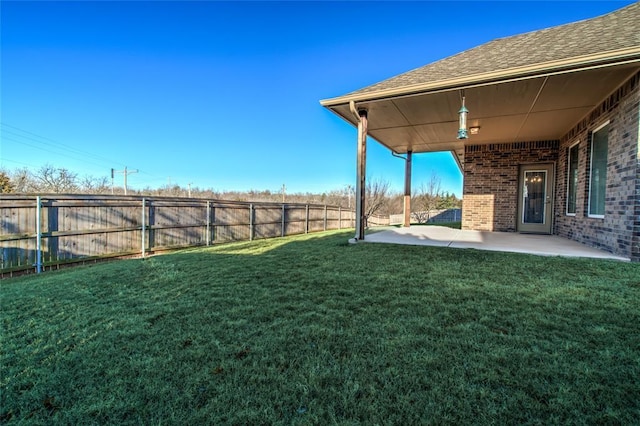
<point x="226" y="95"/>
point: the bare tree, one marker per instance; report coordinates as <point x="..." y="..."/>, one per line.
<point x="92" y="185"/>
<point x="428" y="198"/>
<point x="379" y="200"/>
<point x="376" y="198"/>
<point x="23" y="181"/>
<point x="349" y="192"/>
<point x="420" y="216"/>
<point x="50" y="179"/>
<point x="6" y="186"/>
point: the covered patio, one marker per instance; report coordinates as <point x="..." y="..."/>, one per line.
<point x="518" y="115"/>
<point x="441" y="236"/>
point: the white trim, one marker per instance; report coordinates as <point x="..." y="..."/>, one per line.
<point x="600" y="127"/>
<point x="593" y="132"/>
<point x="566" y="204"/>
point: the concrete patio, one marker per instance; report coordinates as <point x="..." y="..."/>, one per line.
<point x="440" y="236"/>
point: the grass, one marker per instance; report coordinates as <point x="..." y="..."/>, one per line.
<point x="312" y="330"/>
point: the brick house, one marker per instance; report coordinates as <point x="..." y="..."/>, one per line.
<point x="552" y="145"/>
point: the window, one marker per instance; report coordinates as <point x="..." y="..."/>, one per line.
<point x="598" y="173"/>
<point x="572" y="183"/>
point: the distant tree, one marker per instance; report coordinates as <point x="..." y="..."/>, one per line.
<point x="6" y="187"/>
<point x="173" y="190"/>
<point x="93" y="185"/>
<point x="349" y="192"/>
<point x="58" y="180"/>
<point x="23" y="181"/>
<point x="375" y="198"/>
<point x="379" y="199"/>
<point x="449" y="201"/>
<point x="338" y="197"/>
<point x="428" y="198"/>
<point x="394" y="204"/>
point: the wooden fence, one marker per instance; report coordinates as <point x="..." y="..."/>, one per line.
<point x="40" y="232"/>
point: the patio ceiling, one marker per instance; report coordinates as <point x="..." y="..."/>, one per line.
<point x="511" y="108"/>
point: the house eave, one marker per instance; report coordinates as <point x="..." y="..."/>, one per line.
<point x="587" y="62"/>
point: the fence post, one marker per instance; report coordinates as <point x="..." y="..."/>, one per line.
<point x="339" y="217"/>
<point x="208" y="223"/>
<point x="142" y="231"/>
<point x="306" y="219"/>
<point x="250" y="222"/>
<point x="283" y="220"/>
<point x="325" y="217"/>
<point x="213" y="223"/>
<point x="38" y="236"/>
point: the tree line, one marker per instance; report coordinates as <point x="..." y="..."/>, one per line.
<point x="380" y="199"/>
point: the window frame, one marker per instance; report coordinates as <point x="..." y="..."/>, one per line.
<point x="593" y="134"/>
<point x="569" y="158"/>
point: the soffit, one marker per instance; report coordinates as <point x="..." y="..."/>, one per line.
<point x="535" y="108"/>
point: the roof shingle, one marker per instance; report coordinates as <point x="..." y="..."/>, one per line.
<point x="587" y="37"/>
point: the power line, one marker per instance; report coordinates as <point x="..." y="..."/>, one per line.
<point x="74" y="157"/>
<point x="57" y="143"/>
<point x="58" y="146"/>
<point x="14" y="161"/>
<point x="53" y="146"/>
<point x="51" y="143"/>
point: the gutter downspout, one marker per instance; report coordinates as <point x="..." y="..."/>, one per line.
<point x="407" y="187"/>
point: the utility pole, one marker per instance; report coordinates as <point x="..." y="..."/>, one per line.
<point x="125" y="172"/>
<point x="284" y="189"/>
<point x="189" y="185"/>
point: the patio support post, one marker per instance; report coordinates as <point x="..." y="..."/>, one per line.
<point x="361" y="183"/>
<point x="407" y="190"/>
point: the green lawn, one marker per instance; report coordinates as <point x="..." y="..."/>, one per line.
<point x="312" y="330"/>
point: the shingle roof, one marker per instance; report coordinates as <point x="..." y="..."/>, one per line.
<point x="577" y="39"/>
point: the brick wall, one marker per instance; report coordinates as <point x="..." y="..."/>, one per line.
<point x="619" y="231"/>
<point x="490" y="191"/>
